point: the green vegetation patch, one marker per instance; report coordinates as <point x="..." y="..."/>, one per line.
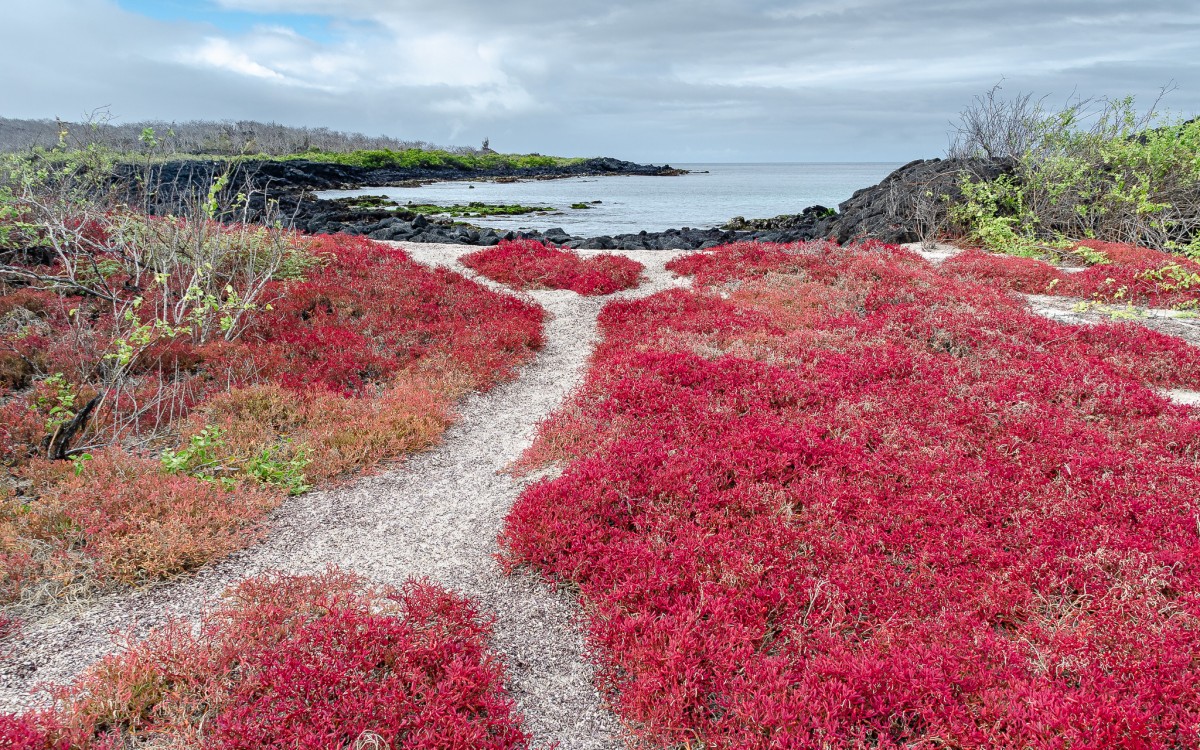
<point x="414" y="158"/>
<point x="367" y="201"/>
<point x="1091" y="170"/>
<point x="471" y="210"/>
<point x="476" y="209"/>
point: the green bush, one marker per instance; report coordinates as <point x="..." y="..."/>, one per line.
<point x="1092" y="170"/>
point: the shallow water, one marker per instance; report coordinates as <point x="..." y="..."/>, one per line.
<point x="709" y="196"/>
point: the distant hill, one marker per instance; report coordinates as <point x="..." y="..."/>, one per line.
<point x="226" y="137"/>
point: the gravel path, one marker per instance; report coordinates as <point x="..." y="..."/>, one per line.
<point x="437" y="515"/>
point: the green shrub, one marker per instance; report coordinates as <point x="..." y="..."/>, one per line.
<point x="207" y="456"/>
<point x="1092" y="170"/>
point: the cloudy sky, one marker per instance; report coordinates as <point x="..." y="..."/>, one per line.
<point x="650" y="80"/>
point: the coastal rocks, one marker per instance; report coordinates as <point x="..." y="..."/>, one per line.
<point x="277" y="176"/>
<point x="911" y="204"/>
<point x="180" y="178"/>
<point x="279" y="189"/>
<point x="809" y="220"/>
<point x="420" y="228"/>
<point x="425" y="229"/>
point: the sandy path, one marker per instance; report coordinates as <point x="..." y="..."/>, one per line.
<point x="437" y="516"/>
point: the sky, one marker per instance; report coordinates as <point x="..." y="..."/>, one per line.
<point x="679" y="81"/>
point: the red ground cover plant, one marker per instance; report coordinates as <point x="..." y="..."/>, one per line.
<point x="1136" y="275"/>
<point x="28" y="733"/>
<point x="1010" y="272"/>
<point x="133" y="521"/>
<point x="527" y="264"/>
<point x="351" y="354"/>
<point x="374" y="313"/>
<point x="849" y="501"/>
<point x="295" y="663"/>
<point x="1125" y="254"/>
<point x="745" y="261"/>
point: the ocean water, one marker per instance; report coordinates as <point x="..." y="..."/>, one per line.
<point x="707" y="197"/>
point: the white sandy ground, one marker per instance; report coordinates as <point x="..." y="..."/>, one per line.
<point x="436" y="515"/>
<point x="1063" y="310"/>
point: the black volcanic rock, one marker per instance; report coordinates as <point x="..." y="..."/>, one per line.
<point x="911" y="202"/>
<point x="281" y="190"/>
<point x="805" y="220"/>
<point x="904" y="207"/>
<point x="277" y="177"/>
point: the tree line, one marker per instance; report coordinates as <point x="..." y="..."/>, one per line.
<point x="224" y="137"/>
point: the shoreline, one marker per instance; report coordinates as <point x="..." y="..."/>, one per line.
<point x="873" y="212"/>
<point x="908" y="205"/>
<point x="401" y="226"/>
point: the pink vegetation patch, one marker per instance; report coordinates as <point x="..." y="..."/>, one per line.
<point x="371" y="312"/>
<point x="295" y="662"/>
<point x="850" y="501"/>
<point x="1135" y="275"/>
<point x="1005" y="271"/>
<point x="526" y="264"/>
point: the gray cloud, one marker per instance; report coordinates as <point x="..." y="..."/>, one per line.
<point x="765" y="80"/>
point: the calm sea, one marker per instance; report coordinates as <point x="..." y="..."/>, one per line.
<point x="709" y="196"/>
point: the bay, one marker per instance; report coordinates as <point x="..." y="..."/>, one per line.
<point x="708" y="196"/>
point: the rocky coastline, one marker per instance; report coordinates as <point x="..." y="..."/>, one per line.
<point x="293" y="180"/>
<point x="332" y="217"/>
<point x="909" y="205"/>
